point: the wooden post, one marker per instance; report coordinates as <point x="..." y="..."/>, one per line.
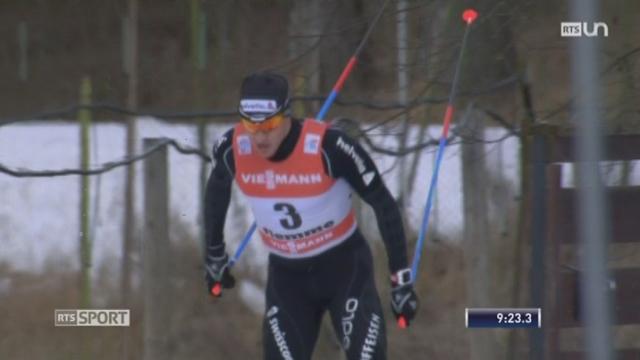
<point x="84" y="117"/>
<point x="130" y="64"/>
<point x="198" y="28"/>
<point x="156" y="253"/>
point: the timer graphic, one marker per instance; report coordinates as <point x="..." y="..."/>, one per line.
<point x="503" y="318"/>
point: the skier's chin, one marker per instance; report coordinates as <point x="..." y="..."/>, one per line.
<point x="265" y="150"/>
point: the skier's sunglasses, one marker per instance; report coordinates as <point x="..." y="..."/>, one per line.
<point x="265" y="125"/>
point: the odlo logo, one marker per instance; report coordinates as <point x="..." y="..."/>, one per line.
<point x="347" y="321"/>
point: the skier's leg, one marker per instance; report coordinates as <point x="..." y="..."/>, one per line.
<point x="291" y="323"/>
<point x="356" y="311"/>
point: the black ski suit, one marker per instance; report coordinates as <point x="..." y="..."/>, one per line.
<point x="340" y="279"/>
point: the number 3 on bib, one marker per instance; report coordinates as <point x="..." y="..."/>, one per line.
<point x="292" y="219"/>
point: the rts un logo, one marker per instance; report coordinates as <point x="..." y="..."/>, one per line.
<point x="579" y="29"/>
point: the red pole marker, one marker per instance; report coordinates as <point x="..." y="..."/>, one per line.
<point x="402" y="322"/>
<point x="469" y="16"/>
<point x="216" y="290"/>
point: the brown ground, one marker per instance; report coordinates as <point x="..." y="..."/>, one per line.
<point x="202" y="328"/>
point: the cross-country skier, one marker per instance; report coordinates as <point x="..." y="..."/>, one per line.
<point x="298" y="176"/>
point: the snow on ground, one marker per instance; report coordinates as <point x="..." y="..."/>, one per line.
<point x="252" y="295"/>
<point x="39" y="217"/>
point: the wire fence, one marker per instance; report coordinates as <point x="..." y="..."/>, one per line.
<point x="361" y="133"/>
<point x="55" y="146"/>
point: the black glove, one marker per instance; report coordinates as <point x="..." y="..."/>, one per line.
<point x="217" y="274"/>
<point x="404" y="301"/>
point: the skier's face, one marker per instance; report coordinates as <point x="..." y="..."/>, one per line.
<point x="267" y="141"/>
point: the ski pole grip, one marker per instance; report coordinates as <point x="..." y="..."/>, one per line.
<point x="402" y="322"/>
<point x="216" y="290"/>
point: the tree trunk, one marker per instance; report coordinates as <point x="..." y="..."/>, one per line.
<point x="477" y="237"/>
<point x="402" y="25"/>
<point x="304" y="19"/>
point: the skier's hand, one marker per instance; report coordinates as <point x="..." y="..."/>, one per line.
<point x="404" y="301"/>
<point x="217" y="274"/>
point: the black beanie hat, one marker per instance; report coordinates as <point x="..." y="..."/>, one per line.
<point x="263" y="95"/>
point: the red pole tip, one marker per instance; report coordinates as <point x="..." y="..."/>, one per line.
<point x="469" y="15"/>
<point x="402" y="322"/>
<point x="216" y="289"/>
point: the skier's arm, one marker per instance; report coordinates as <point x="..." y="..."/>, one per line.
<point x="218" y="195"/>
<point x="347" y="159"/>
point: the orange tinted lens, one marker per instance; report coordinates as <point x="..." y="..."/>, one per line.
<point x="249" y="125"/>
<point x="266" y="125"/>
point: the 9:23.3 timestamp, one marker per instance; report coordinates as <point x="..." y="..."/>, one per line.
<point x="503" y="317"/>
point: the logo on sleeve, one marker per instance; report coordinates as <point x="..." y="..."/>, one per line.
<point x="368" y="177"/>
<point x="311" y="144"/>
<point x="219" y="142"/>
<point x="351" y="151"/>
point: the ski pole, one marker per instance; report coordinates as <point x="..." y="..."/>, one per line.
<point x="469" y="16"/>
<point x="323" y="111"/>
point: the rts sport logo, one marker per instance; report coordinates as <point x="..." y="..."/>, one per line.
<point x="92" y="317"/>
